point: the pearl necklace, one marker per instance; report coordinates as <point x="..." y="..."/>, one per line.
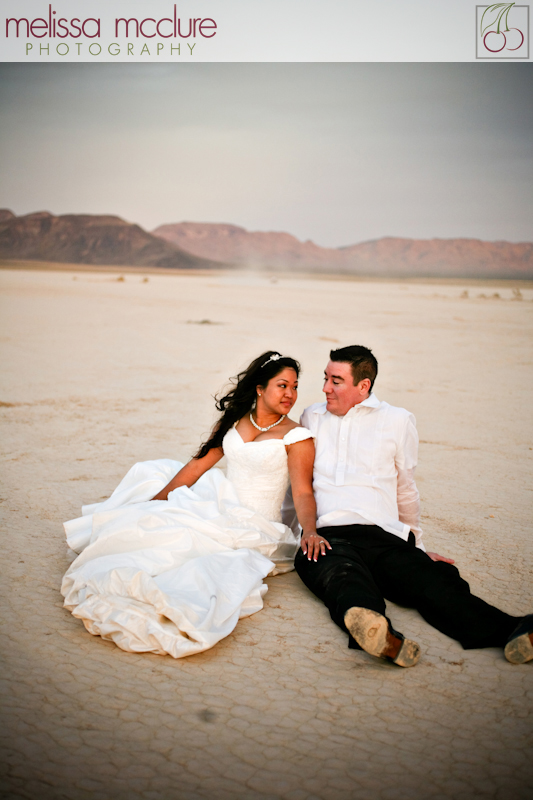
<point x="259" y="428"/>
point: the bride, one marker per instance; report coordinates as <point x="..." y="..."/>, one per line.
<point x="177" y="554"/>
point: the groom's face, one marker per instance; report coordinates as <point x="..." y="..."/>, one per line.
<point x="341" y="394"/>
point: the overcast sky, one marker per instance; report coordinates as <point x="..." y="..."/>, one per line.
<point x="336" y="153"/>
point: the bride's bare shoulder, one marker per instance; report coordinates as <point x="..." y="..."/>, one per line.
<point x="290" y="424"/>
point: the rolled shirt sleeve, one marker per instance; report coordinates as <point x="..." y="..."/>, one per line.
<point x="408" y="497"/>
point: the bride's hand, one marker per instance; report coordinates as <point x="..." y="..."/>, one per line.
<point x="314" y="545"/>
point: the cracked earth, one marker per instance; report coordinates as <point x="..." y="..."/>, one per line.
<point x="99" y="373"/>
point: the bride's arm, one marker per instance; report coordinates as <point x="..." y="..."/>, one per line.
<point x="190" y="473"/>
<point x="301" y="457"/>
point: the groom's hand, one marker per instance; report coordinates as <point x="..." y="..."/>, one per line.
<point x="436" y="557"/>
<point x="314" y="545"/>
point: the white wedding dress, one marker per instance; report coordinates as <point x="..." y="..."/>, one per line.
<point x="174" y="576"/>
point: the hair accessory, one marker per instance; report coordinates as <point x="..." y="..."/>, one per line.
<point x="275" y="357"/>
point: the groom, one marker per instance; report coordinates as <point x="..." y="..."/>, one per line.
<point x="368" y="545"/>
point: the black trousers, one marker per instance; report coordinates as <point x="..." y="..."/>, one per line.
<point x="367" y="564"/>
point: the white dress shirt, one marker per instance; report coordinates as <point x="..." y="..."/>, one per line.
<point x="364" y="467"/>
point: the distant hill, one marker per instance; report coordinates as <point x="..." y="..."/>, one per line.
<point x="467" y="258"/>
<point x="246" y="248"/>
<point x="89" y="239"/>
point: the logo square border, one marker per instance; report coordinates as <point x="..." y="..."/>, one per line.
<point x="502" y="58"/>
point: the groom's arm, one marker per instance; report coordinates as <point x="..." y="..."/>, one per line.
<point x="408" y="497"/>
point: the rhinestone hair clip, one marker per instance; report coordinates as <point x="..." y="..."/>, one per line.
<point x="275" y="357"/>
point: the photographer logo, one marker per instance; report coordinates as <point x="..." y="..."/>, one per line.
<point x="502" y="31"/>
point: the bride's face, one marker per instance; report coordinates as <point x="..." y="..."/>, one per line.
<point x="280" y="393"/>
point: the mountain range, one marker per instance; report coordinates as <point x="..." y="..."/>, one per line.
<point x="89" y="239"/>
<point x="388" y="256"/>
<point x="110" y="240"/>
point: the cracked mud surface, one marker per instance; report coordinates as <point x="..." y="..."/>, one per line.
<point x="98" y="374"/>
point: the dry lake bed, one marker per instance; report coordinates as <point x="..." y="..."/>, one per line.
<point x="103" y="369"/>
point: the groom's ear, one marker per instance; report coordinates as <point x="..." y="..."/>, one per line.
<point x="364" y="386"/>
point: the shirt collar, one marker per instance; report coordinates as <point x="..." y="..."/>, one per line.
<point x="370" y="402"/>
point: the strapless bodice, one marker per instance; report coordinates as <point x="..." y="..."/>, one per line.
<point x="259" y="471"/>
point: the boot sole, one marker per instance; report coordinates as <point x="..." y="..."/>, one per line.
<point x="519" y="650"/>
<point x="408" y="655"/>
<point x="371" y="632"/>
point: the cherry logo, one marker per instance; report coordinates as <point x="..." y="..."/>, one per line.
<point x="495" y="30"/>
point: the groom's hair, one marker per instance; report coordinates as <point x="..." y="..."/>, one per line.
<point x="362" y="361"/>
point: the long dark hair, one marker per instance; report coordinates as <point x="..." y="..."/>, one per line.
<point x="240" y="400"/>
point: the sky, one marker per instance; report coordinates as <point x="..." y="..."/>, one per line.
<point x="333" y="152"/>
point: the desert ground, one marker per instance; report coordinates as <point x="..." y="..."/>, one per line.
<point x="103" y="369"/>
